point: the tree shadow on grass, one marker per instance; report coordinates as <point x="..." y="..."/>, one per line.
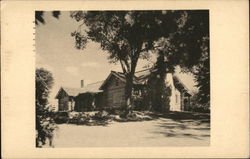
<point x="182" y="130"/>
<point x="205" y="117"/>
<point x="183" y="125"/>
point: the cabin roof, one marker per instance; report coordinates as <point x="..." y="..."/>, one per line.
<point x="143" y="76"/>
<point x="140" y="78"/>
<point x="90" y="88"/>
<point x="120" y="76"/>
<point x="72" y="91"/>
<point x="69" y="91"/>
<point x="180" y="84"/>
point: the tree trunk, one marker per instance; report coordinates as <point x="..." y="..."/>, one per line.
<point x="128" y="90"/>
<point x="129" y="74"/>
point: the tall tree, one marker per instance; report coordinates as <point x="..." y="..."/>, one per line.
<point x="188" y="47"/>
<point x="126" y="35"/>
<point x="195" y="36"/>
<point x="158" y="90"/>
<point x="202" y="76"/>
<point x="44" y="117"/>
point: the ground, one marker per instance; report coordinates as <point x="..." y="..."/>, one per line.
<point x="162" y="131"/>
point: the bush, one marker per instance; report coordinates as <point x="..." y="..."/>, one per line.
<point x="140" y="104"/>
<point x="113" y="110"/>
<point x="134" y="116"/>
<point x="61" y="117"/>
<point x="79" y="118"/>
<point x="83" y="119"/>
<point x="101" y="115"/>
<point x="124" y="113"/>
<point x="200" y="108"/>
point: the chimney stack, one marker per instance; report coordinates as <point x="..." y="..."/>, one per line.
<point x="82" y="83"/>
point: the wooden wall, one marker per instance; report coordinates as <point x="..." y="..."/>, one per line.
<point x="63" y="102"/>
<point x="88" y="102"/>
<point x="114" y="93"/>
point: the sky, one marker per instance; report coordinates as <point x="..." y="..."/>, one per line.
<point x="55" y="52"/>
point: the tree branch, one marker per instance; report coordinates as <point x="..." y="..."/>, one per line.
<point x="146" y="49"/>
<point x="123" y="67"/>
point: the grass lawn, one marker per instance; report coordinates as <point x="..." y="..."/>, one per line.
<point x="162" y="131"/>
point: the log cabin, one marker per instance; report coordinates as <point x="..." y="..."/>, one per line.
<point x="110" y="93"/>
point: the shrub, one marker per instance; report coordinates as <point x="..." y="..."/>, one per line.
<point x="114" y="110"/>
<point x="101" y="115"/>
<point x="79" y="118"/>
<point x="124" y="113"/>
<point x="197" y="106"/>
<point x="61" y="117"/>
<point x="134" y="116"/>
<point x="200" y="108"/>
<point x="140" y="104"/>
<point x="83" y="118"/>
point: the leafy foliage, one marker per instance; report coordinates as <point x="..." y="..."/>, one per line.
<point x="197" y="106"/>
<point x="44" y="116"/>
<point x="40" y="19"/>
<point x="189" y="48"/>
<point x="126" y="35"/>
<point x="202" y="75"/>
<point x="183" y="47"/>
<point x="194" y="37"/>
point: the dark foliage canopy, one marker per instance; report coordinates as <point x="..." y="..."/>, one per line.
<point x="189" y="48"/>
<point x="39" y="16"/>
<point x="199" y="34"/>
<point x="127" y="36"/>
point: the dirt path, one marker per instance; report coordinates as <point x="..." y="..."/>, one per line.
<point x="158" y="132"/>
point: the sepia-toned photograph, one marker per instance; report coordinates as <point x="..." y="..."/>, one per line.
<point x="122" y="78"/>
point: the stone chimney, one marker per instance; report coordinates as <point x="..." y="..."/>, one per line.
<point x="82" y="83"/>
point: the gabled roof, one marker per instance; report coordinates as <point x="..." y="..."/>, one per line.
<point x="180" y="84"/>
<point x="144" y="75"/>
<point x="90" y="88"/>
<point x="140" y="78"/>
<point x="120" y="76"/>
<point x="69" y="91"/>
<point x="72" y="91"/>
